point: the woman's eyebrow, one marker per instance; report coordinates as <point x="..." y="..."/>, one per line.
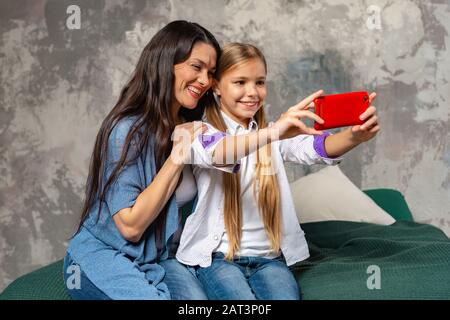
<point x="203" y="64"/>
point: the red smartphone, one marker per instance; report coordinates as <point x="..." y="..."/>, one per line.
<point x="340" y="110"/>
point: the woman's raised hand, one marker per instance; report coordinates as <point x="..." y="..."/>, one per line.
<point x="182" y="137"/>
<point x="290" y="125"/>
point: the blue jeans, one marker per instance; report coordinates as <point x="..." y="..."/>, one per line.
<point x="248" y="278"/>
<point x="181" y="281"/>
<point x="87" y="290"/>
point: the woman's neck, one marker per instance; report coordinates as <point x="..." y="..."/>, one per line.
<point x="175" y="114"/>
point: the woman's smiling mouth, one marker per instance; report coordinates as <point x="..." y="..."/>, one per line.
<point x="195" y="92"/>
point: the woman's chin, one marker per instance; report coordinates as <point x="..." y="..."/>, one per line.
<point x="190" y="106"/>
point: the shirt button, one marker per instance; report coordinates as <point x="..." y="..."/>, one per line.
<point x="216" y="237"/>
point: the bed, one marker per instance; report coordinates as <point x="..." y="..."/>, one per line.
<point x="349" y="260"/>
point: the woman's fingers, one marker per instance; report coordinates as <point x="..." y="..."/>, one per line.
<point x="198" y="130"/>
<point x="190" y="129"/>
<point x="372" y="96"/>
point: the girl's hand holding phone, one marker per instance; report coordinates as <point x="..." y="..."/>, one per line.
<point x="290" y="125"/>
<point x="370" y="127"/>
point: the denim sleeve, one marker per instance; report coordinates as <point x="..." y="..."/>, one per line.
<point x="128" y="183"/>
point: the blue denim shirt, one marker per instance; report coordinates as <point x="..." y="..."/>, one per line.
<point x="98" y="243"/>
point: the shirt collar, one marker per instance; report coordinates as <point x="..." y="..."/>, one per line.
<point x="235" y="127"/>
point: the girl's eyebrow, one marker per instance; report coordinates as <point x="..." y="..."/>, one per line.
<point x="246" y="78"/>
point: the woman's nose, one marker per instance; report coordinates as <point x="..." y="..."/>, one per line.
<point x="203" y="79"/>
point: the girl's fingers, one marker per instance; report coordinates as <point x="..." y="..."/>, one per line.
<point x="372" y="96"/>
<point x="369" y="112"/>
<point x="303" y="127"/>
<point x="314" y="131"/>
<point x="369" y="123"/>
<point x="375" y="129"/>
<point x="305" y="102"/>
<point x="296" y="122"/>
<point x="307" y="114"/>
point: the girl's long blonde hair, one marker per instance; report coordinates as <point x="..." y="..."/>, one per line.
<point x="265" y="185"/>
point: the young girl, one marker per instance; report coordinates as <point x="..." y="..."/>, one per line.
<point x="244" y="232"/>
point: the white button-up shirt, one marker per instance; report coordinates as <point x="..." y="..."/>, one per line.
<point x="204" y="230"/>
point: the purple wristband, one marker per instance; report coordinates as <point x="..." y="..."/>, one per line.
<point x="209" y="140"/>
<point x="319" y="144"/>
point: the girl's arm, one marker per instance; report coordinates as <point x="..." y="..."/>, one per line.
<point x="232" y="148"/>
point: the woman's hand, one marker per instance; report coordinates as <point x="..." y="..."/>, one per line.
<point x="182" y="137"/>
<point x="290" y="125"/>
<point x="370" y="127"/>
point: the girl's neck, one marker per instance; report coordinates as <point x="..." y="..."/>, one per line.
<point x="243" y="122"/>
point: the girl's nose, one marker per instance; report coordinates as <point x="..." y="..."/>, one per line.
<point x="251" y="91"/>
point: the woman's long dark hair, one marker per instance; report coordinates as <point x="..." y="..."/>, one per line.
<point x="148" y="96"/>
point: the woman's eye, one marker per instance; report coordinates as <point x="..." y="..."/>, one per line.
<point x="196" y="67"/>
<point x="239" y="82"/>
<point x="261" y="83"/>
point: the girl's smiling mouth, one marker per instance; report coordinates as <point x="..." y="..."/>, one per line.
<point x="250" y="104"/>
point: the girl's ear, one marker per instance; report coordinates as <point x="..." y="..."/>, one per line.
<point x="215" y="87"/>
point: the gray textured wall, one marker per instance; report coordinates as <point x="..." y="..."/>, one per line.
<point x="57" y="84"/>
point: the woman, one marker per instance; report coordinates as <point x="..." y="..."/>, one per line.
<point x="129" y="228"/>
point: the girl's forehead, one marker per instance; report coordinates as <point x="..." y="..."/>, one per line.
<point x="254" y="66"/>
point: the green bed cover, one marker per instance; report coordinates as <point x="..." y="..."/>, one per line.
<point x="353" y="260"/>
<point x="413" y="261"/>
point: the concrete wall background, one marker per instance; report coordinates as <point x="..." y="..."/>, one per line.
<point x="58" y="84"/>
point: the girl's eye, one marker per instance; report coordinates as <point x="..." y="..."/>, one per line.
<point x="196" y="67"/>
<point x="261" y="83"/>
<point x="239" y="82"/>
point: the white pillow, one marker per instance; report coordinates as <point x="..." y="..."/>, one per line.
<point x="329" y="195"/>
